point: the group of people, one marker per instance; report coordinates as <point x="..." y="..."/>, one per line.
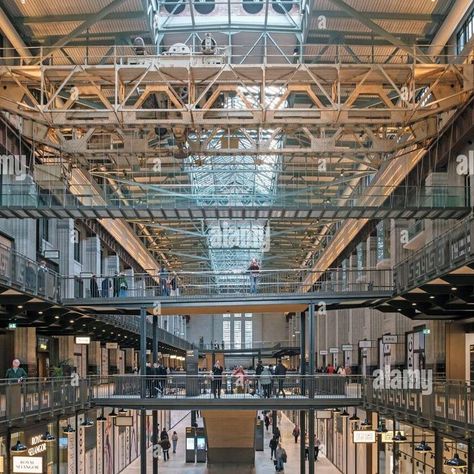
<point x="156" y="379"/>
<point x="263" y="384"/>
<point x="166" y="444"/>
<point x="266" y="377"/>
<point x="117" y="285"/>
<point x="333" y="370"/>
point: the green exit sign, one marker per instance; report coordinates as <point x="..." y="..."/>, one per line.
<point x="426" y="331"/>
<point x="11" y="325"/>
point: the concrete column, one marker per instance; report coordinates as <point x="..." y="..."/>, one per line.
<point x="129" y="359"/>
<point x="24" y="348"/>
<point x="66" y="255"/>
<point x="91" y="261"/>
<point x="66" y="348"/>
<point x="94" y="355"/>
<point x="111" y="265"/>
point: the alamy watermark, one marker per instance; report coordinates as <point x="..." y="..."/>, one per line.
<point x="406" y="379"/>
<point x="14" y="165"/>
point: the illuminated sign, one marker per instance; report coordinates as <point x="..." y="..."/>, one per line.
<point x="27" y="464"/>
<point x="83" y="340"/>
<point x="364" y="436"/>
<point x="388" y="436"/>
<point x="323" y="353"/>
<point x="124" y="420"/>
<point x="37" y="446"/>
<point x="111" y="345"/>
<point x="390" y="339"/>
<point x="333" y="350"/>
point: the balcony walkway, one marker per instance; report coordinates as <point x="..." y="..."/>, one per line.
<point x="221" y="292"/>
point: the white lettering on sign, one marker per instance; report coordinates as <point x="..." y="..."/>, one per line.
<point x="40" y="448"/>
<point x="26" y="464"/>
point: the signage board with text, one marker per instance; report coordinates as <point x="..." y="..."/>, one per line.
<point x="27" y="464"/>
<point x="390" y="339"/>
<point x="388" y="436"/>
<point x="364" y="436"/>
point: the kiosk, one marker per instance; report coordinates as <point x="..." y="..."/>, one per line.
<point x="201" y="455"/>
<point x="190" y="444"/>
<point x="259" y="436"/>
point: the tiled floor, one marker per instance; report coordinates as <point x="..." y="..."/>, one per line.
<point x="263" y="465"/>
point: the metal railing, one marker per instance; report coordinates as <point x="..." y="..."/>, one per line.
<point x="444" y="253"/>
<point x="181" y="196"/>
<point x="40" y="397"/>
<point x="228" y="385"/>
<point x="444" y="403"/>
<point x="24" y="274"/>
<point x="255" y="346"/>
<point x="132" y="323"/>
<point x="128" y="55"/>
<point x="230" y="283"/>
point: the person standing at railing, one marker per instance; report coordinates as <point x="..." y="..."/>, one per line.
<point x="164" y="281"/>
<point x="149" y="379"/>
<point x="42" y="270"/>
<point x="15" y="372"/>
<point x="105" y="287"/>
<point x="116" y="285"/>
<point x="217" y="379"/>
<point x="280" y="373"/>
<point x="254" y="270"/>
<point x="266" y="382"/>
<point x="123" y="286"/>
<point x="256" y="383"/>
<point x="94" y="287"/>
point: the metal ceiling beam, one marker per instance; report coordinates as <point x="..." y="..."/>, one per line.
<point x="91" y="20"/>
<point x="380" y="15"/>
<point x="32" y="20"/>
<point x="413" y="51"/>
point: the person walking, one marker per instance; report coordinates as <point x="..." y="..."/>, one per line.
<point x="280" y="373"/>
<point x="267" y="421"/>
<point x="266" y="382"/>
<point x="296" y="433"/>
<point x="254" y="270"/>
<point x="174" y="439"/>
<point x="277" y="433"/>
<point x="217" y="379"/>
<point x="273" y="446"/>
<point x="317" y="445"/>
<point x="281" y="458"/>
<point x="15" y="372"/>
<point x="165" y="446"/>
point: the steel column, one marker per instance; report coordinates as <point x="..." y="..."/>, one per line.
<point x="312" y="336"/>
<point x="439" y="449"/>
<point x="302" y="372"/>
<point x="143" y="390"/>
<point x="155" y="412"/>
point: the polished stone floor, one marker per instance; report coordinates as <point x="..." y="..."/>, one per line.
<point x="263" y="465"/>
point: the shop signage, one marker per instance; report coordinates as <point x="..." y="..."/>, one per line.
<point x="323" y="353"/>
<point x="388" y="436"/>
<point x="323" y="414"/>
<point x="347" y="347"/>
<point x="83" y="340"/>
<point x="111" y="345"/>
<point x="333" y="350"/>
<point x="426" y="331"/>
<point x="11" y="325"/>
<point x="51" y="254"/>
<point x="390" y="339"/>
<point x="27" y="464"/>
<point x="37" y="446"/>
<point x="364" y="436"/>
<point x="124" y="421"/>
<point x="365" y="344"/>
